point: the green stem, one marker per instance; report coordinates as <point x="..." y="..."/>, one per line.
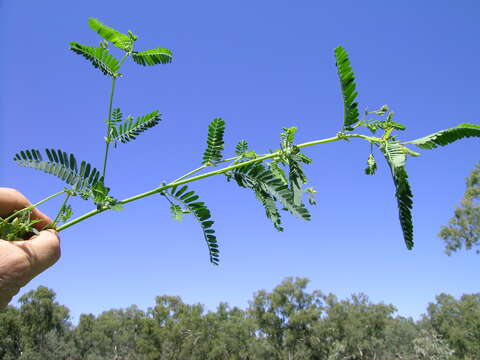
<point x="34" y="205"/>
<point x="190" y="173"/>
<point x="54" y="223"/>
<point x="182" y="179"/>
<point x="107" y="138"/>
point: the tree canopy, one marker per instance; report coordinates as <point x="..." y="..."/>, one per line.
<point x="286" y="323"/>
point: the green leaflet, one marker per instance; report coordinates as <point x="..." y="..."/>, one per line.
<point x="278" y="171"/>
<point x="396" y="157"/>
<point x="213" y="152"/>
<point x="347" y="84"/>
<point x="117" y="116"/>
<point x="296" y="175"/>
<point x="447" y="136"/>
<point x="270" y="207"/>
<point x="118" y="39"/>
<point x="61" y="165"/>
<point x="153" y="57"/>
<point x="241" y="147"/>
<point x="292" y="157"/>
<point x="131" y="128"/>
<point x="201" y="214"/>
<point x="99" y="57"/>
<point x="263" y="181"/>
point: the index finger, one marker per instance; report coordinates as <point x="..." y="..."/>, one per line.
<point x="12" y="200"/>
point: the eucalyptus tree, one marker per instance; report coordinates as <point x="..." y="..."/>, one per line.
<point x="457" y="321"/>
<point x="463" y="229"/>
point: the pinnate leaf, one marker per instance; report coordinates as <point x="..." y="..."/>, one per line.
<point x="396" y="157"/>
<point x="122" y="41"/>
<point x="99" y="57"/>
<point x="62" y="165"/>
<point x="213" y="152"/>
<point x="153" y="57"/>
<point x="447" y="136"/>
<point x="200" y="212"/>
<point x="348" y="87"/>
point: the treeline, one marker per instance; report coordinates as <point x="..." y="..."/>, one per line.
<point x="287" y="323"/>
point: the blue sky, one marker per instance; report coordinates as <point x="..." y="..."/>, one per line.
<point x="260" y="66"/>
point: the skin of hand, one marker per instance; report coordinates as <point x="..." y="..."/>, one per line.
<point x="21" y="261"/>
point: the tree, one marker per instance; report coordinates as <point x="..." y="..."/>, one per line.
<point x="428" y="345"/>
<point x="10" y="335"/>
<point x="285" y="318"/>
<point x="40" y="315"/>
<point x="457" y="322"/>
<point x="463" y="229"/>
<point x="356" y="327"/>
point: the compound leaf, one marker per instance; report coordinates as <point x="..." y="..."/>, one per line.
<point x="61" y="165"/>
<point x="122" y="41"/>
<point x="131" y="128"/>
<point x="396" y="157"/>
<point x="202" y="215"/>
<point x="347" y="84"/>
<point x="447" y="136"/>
<point x="213" y="152"/>
<point x="153" y="57"/>
<point x="263" y="181"/>
<point x="99" y="57"/>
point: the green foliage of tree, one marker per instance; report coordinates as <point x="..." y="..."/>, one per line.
<point x="287" y="323"/>
<point x="10" y="334"/>
<point x="286" y="316"/>
<point x="457" y="321"/>
<point x="428" y="345"/>
<point x="357" y="326"/>
<point x="39" y="315"/>
<point x="463" y="229"/>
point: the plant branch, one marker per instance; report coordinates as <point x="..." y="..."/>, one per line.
<point x="107" y="138"/>
<point x="34" y="205"/>
<point x="182" y="179"/>
<point x="57" y="218"/>
<point x="190" y="173"/>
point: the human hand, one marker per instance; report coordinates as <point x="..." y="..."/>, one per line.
<point x="21" y="261"/>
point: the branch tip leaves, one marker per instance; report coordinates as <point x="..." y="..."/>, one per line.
<point x="122" y="41"/>
<point x="446" y="136"/>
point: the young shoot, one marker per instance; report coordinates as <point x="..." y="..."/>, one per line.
<point x="276" y="178"/>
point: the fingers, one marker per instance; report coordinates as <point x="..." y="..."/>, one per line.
<point x="42" y="251"/>
<point x="11" y="200"/>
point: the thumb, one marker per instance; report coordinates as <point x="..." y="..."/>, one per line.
<point x="42" y="250"/>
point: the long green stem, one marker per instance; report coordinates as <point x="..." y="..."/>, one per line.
<point x="34" y="205"/>
<point x="182" y="180"/>
<point x="107" y="138"/>
<point x="109" y="126"/>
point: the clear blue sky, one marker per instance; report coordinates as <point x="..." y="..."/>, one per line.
<point x="260" y="65"/>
